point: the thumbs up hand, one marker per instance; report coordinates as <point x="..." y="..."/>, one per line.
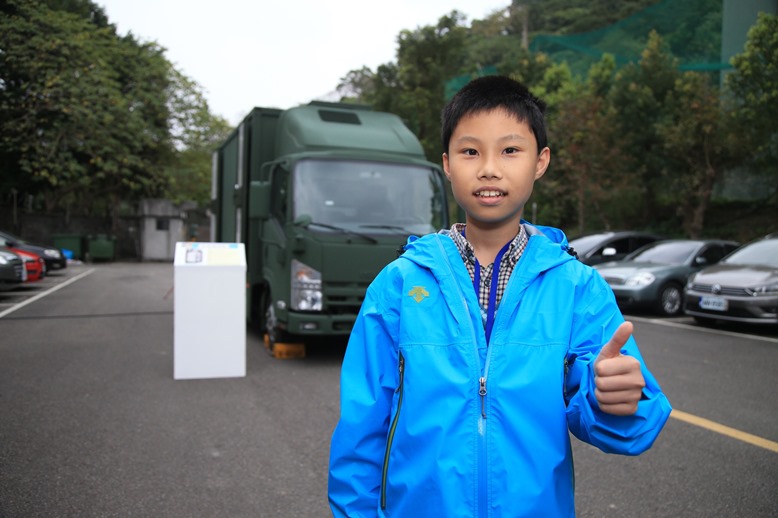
<point x="618" y="378"/>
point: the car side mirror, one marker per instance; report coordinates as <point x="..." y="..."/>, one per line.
<point x="701" y="261"/>
<point x="609" y="251"/>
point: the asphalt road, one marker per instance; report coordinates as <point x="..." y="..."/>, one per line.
<point x="92" y="422"/>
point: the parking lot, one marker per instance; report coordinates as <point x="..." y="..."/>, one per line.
<point x="94" y="424"/>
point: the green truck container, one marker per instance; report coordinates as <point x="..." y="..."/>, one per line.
<point x="323" y="196"/>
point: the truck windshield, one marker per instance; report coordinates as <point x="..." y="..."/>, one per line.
<point x="369" y="196"/>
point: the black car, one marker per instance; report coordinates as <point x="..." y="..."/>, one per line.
<point x="54" y="257"/>
<point x="610" y="246"/>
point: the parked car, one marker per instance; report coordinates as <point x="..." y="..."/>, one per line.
<point x="34" y="265"/>
<point x="742" y="287"/>
<point x="610" y="246"/>
<point x="654" y="276"/>
<point x="54" y="257"/>
<point x="12" y="271"/>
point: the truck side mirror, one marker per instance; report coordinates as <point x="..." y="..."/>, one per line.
<point x="259" y="200"/>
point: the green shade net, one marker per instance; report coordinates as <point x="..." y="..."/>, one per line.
<point x="691" y="28"/>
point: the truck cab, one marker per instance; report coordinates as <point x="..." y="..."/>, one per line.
<point x="323" y="196"/>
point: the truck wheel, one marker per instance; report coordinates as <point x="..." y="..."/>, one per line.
<point x="271" y="333"/>
<point x="670" y="299"/>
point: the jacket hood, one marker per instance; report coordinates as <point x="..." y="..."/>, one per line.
<point x="547" y="246"/>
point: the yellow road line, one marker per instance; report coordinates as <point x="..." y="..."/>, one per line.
<point x="725" y="430"/>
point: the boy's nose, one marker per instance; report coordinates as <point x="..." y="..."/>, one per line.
<point x="489" y="170"/>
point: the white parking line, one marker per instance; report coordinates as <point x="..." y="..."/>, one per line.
<point x="47" y="292"/>
<point x="670" y="323"/>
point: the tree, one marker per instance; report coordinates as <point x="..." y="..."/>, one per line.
<point x="639" y="95"/>
<point x="196" y="133"/>
<point x="754" y="85"/>
<point x="82" y="113"/>
<point x="586" y="176"/>
<point x="426" y="58"/>
<point x="89" y="119"/>
<point x="696" y="132"/>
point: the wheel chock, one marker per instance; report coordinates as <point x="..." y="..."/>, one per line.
<point x="286" y="351"/>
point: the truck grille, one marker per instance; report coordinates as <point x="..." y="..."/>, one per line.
<point x="341" y="298"/>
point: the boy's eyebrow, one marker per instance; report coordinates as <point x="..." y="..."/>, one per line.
<point x="509" y="137"/>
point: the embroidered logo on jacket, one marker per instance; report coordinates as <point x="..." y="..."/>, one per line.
<point x="418" y="293"/>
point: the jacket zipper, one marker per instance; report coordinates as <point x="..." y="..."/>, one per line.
<point x="564" y="380"/>
<point x="392" y="429"/>
<point x="484" y="370"/>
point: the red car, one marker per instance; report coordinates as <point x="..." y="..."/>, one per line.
<point x="33" y="264"/>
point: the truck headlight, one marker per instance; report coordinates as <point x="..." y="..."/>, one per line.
<point x="306" y="287"/>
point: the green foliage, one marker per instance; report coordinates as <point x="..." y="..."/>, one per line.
<point x="196" y="133"/>
<point x="81" y="124"/>
<point x="88" y="118"/>
<point x="636" y="143"/>
<point x="754" y="84"/>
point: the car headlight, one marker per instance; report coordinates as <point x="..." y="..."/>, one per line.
<point x="50" y="252"/>
<point x="306" y="287"/>
<point x="767" y="289"/>
<point x="4" y="257"/>
<point x="640" y="279"/>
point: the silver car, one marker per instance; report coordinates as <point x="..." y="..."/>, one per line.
<point x="743" y="287"/>
<point x="653" y="277"/>
<point x="12" y="271"/>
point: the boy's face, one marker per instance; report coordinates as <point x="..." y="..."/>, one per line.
<point x="492" y="163"/>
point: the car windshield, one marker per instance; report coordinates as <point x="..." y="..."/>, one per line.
<point x="582" y="245"/>
<point x="760" y="253"/>
<point x="369" y="196"/>
<point x="10" y="237"/>
<point x="669" y="252"/>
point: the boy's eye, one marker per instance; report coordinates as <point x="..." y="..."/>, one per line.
<point x="470" y="152"/>
<point x="511" y="150"/>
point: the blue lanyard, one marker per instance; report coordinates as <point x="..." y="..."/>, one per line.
<point x="492" y="306"/>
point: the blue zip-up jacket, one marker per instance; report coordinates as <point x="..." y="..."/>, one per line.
<point x="436" y="424"/>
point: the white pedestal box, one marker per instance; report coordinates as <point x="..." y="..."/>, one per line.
<point x="209" y="310"/>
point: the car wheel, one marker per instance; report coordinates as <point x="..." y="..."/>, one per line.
<point x="670" y="299"/>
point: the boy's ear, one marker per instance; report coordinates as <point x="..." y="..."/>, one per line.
<point x="544" y="158"/>
<point x="445" y="166"/>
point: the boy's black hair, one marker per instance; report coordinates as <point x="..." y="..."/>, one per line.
<point x="491" y="92"/>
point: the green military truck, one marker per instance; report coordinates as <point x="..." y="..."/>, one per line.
<point x="322" y="196"/>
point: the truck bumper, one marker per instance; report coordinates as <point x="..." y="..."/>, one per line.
<point x="313" y="324"/>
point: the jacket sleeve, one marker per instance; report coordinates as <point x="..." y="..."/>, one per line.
<point x="593" y="326"/>
<point x="368" y="381"/>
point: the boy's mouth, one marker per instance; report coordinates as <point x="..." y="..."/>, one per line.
<point x="489" y="193"/>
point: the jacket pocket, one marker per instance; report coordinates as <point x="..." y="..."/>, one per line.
<point x="392" y="428"/>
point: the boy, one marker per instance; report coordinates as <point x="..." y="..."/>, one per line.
<point x="478" y="349"/>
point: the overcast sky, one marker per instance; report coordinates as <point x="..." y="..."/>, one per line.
<point x="278" y="53"/>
